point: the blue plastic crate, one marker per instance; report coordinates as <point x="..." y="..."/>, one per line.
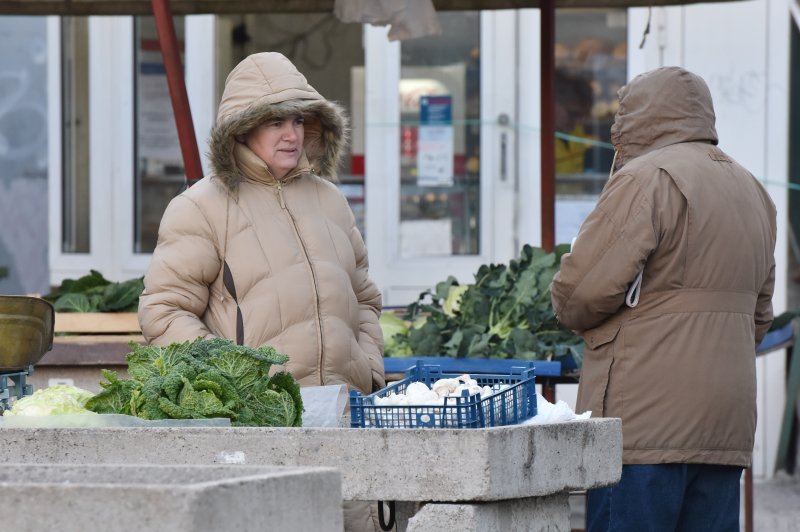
<point x="508" y="406"/>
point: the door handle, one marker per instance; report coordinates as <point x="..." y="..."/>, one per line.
<point x="503" y="143"/>
<point x="503" y="120"/>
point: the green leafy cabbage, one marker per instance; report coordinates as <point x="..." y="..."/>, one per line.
<point x="203" y="379"/>
<point x="394" y="332"/>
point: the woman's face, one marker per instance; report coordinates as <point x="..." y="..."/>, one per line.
<point x="278" y="143"/>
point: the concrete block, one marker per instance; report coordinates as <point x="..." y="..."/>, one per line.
<point x="135" y="498"/>
<point x="540" y="514"/>
<point x="385" y="464"/>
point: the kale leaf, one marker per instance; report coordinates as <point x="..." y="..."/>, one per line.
<point x="505" y="313"/>
<point x="95" y="293"/>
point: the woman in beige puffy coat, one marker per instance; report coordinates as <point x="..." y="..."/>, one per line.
<point x="265" y="250"/>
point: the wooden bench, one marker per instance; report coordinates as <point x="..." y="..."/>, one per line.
<point x="84" y="344"/>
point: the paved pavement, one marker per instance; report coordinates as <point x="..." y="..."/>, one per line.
<point x="776" y="504"/>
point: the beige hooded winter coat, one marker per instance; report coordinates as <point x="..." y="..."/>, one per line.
<point x="243" y="256"/>
<point x="678" y="368"/>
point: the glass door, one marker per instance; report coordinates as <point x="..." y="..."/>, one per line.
<point x="441" y="169"/>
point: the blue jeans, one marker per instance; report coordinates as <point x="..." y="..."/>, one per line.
<point x="668" y="498"/>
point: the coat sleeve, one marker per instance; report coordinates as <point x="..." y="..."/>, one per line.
<point x="763" y="314"/>
<point x="370" y="336"/>
<point x="176" y="285"/>
<point x="610" y="250"/>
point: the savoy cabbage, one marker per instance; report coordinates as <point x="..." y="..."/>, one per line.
<point x="203" y="379"/>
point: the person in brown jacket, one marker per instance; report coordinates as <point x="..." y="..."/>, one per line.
<point x="670" y="283"/>
<point x="265" y="250"/>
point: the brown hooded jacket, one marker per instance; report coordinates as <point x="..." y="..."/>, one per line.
<point x="679" y="367"/>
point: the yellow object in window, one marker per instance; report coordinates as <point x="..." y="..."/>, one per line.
<point x="570" y="153"/>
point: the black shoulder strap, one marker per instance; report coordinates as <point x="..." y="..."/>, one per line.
<point x="227" y="280"/>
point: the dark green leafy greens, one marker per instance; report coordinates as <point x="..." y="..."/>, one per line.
<point x="203" y="379"/>
<point x="95" y="293"/>
<point x="505" y="313"/>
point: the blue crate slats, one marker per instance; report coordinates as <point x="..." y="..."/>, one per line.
<point x="507" y="406"/>
<point x="543" y="368"/>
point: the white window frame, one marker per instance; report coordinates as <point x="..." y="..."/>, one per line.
<point x="111" y="141"/>
<point x="108" y="81"/>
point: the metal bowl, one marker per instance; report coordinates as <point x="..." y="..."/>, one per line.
<point x="26" y="331"/>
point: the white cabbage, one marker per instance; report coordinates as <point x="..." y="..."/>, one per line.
<point x="55" y="400"/>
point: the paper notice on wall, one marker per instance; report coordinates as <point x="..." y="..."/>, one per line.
<point x="426" y="238"/>
<point x="435" y="141"/>
<point x="570" y="214"/>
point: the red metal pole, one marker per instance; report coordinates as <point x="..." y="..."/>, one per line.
<point x="548" y="69"/>
<point x="177" y="90"/>
<point x="748" y="499"/>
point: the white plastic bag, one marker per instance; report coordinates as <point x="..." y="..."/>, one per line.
<point x="547" y="412"/>
<point x="408" y="18"/>
<point x="324" y="406"/>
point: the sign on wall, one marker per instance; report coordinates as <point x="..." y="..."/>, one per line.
<point x="435" y="141"/>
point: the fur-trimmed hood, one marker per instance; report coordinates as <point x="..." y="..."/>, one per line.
<point x="266" y="86"/>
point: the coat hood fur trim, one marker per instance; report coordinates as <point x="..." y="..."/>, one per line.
<point x="325" y="138"/>
<point x="266" y="86"/>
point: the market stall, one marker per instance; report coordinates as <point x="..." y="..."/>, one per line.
<point x="497" y="473"/>
<point x="516" y="477"/>
<point x="507" y="478"/>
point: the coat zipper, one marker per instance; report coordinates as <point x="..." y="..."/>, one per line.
<point x="283" y="205"/>
<point x="313" y="278"/>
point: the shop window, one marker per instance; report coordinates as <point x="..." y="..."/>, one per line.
<point x="440" y="139"/>
<point x="159" y="172"/>
<point x="591" y="66"/>
<point x="75" y="141"/>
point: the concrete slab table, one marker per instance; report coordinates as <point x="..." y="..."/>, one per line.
<point x="505" y="478"/>
<point x="201" y="498"/>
